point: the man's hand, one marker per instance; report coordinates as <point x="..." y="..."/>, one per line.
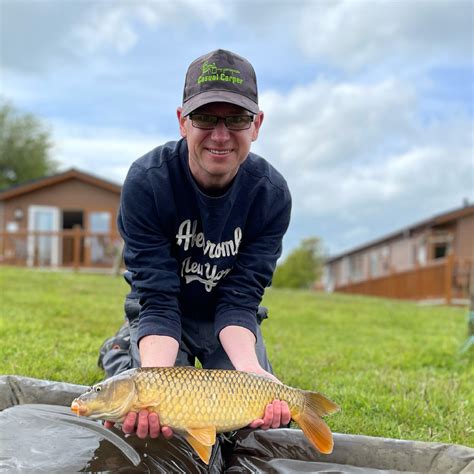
<point x="144" y="424"/>
<point x="155" y="351"/>
<point x="277" y="414"/>
<point x="239" y="344"/>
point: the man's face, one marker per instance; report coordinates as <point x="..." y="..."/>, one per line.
<point x="215" y="155"/>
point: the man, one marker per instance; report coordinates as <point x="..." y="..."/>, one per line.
<point x="203" y="221"/>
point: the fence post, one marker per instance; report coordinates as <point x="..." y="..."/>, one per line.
<point x="77" y="247"/>
<point x="470" y="317"/>
<point x="2" y="246"/>
<point x="448" y="275"/>
<point x="118" y="257"/>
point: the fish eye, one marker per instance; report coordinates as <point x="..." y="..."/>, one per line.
<point x="98" y="388"/>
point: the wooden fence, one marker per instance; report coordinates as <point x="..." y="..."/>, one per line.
<point x="73" y="248"/>
<point x="447" y="279"/>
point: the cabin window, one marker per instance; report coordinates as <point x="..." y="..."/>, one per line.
<point x="355" y="267"/>
<point x="99" y="223"/>
<point x="373" y="264"/>
<point x="440" y="250"/>
<point x="72" y="219"/>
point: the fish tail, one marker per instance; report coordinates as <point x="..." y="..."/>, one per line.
<point x="309" y="419"/>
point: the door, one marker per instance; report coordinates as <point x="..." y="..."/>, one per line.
<point x="71" y="219"/>
<point x="43" y="250"/>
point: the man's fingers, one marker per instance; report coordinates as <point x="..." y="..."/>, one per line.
<point x="276" y="421"/>
<point x="128" y="425"/>
<point x="256" y="423"/>
<point x="154" y="425"/>
<point x="167" y="432"/>
<point x="276" y="414"/>
<point x="268" y="417"/>
<point x="109" y="424"/>
<point x="285" y="414"/>
<point x="142" y="426"/>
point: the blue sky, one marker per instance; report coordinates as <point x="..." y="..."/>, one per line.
<point x="368" y="104"/>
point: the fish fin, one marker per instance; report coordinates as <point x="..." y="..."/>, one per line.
<point x="206" y="436"/>
<point x="309" y="419"/>
<point x="203" y="449"/>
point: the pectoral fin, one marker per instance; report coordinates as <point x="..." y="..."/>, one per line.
<point x="202" y="440"/>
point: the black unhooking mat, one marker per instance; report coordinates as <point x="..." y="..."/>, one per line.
<point x="38" y="433"/>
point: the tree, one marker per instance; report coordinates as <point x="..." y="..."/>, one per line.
<point x="24" y="147"/>
<point x="303" y="266"/>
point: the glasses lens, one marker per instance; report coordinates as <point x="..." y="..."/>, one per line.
<point x="238" y="122"/>
<point x="207" y="122"/>
<point x="232" y="122"/>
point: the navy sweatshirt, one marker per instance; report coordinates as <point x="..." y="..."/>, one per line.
<point x="196" y="256"/>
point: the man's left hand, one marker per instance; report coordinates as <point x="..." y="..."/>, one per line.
<point x="277" y="414"/>
<point x="239" y="344"/>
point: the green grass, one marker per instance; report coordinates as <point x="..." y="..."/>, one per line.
<point x="394" y="367"/>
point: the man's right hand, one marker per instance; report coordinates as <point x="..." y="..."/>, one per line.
<point x="144" y="424"/>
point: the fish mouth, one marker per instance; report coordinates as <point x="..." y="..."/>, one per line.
<point x="78" y="408"/>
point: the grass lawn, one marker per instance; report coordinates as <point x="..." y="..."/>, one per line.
<point x="393" y="367"/>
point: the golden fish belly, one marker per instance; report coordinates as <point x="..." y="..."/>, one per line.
<point x="194" y="398"/>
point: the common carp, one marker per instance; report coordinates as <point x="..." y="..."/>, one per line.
<point x="199" y="403"/>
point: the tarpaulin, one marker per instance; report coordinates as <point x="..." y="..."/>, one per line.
<point x="38" y="433"/>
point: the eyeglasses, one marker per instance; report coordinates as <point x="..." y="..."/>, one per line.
<point x="232" y="122"/>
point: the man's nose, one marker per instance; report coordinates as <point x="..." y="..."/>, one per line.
<point x="220" y="132"/>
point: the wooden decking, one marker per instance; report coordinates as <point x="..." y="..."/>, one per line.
<point x="444" y="280"/>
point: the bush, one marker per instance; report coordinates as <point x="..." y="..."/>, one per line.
<point x="303" y="267"/>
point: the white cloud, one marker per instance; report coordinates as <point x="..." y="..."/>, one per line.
<point x="106" y="28"/>
<point x="350" y="34"/>
<point x="358" y="154"/>
<point x="354" y="34"/>
<point x="64" y="32"/>
<point x="332" y="124"/>
<point x="105" y="152"/>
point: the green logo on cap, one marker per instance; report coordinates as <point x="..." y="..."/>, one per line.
<point x="210" y="72"/>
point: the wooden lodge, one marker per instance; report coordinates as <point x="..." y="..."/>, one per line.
<point x="64" y="220"/>
<point x="431" y="260"/>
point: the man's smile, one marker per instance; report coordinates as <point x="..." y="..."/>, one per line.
<point x="215" y="151"/>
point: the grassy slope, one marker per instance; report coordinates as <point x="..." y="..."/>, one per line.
<point x="393" y="367"/>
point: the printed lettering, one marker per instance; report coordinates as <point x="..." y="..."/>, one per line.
<point x="188" y="238"/>
<point x="207" y="274"/>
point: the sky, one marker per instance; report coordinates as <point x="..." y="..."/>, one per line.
<point x="368" y="103"/>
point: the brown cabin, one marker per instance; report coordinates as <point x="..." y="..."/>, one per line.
<point x="68" y="219"/>
<point x="429" y="260"/>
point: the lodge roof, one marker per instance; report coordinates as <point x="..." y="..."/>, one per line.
<point x="433" y="221"/>
<point x="46" y="181"/>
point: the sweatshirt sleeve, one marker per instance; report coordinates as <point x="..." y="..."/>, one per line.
<point x="147" y="255"/>
<point x="242" y="290"/>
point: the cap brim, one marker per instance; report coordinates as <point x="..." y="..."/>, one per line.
<point x="219" y="96"/>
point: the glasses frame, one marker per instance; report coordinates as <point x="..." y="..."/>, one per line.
<point x="224" y="119"/>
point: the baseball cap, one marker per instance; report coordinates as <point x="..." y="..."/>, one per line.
<point x="220" y="76"/>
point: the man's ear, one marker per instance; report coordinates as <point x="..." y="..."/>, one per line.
<point x="181" y="121"/>
<point x="257" y="123"/>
